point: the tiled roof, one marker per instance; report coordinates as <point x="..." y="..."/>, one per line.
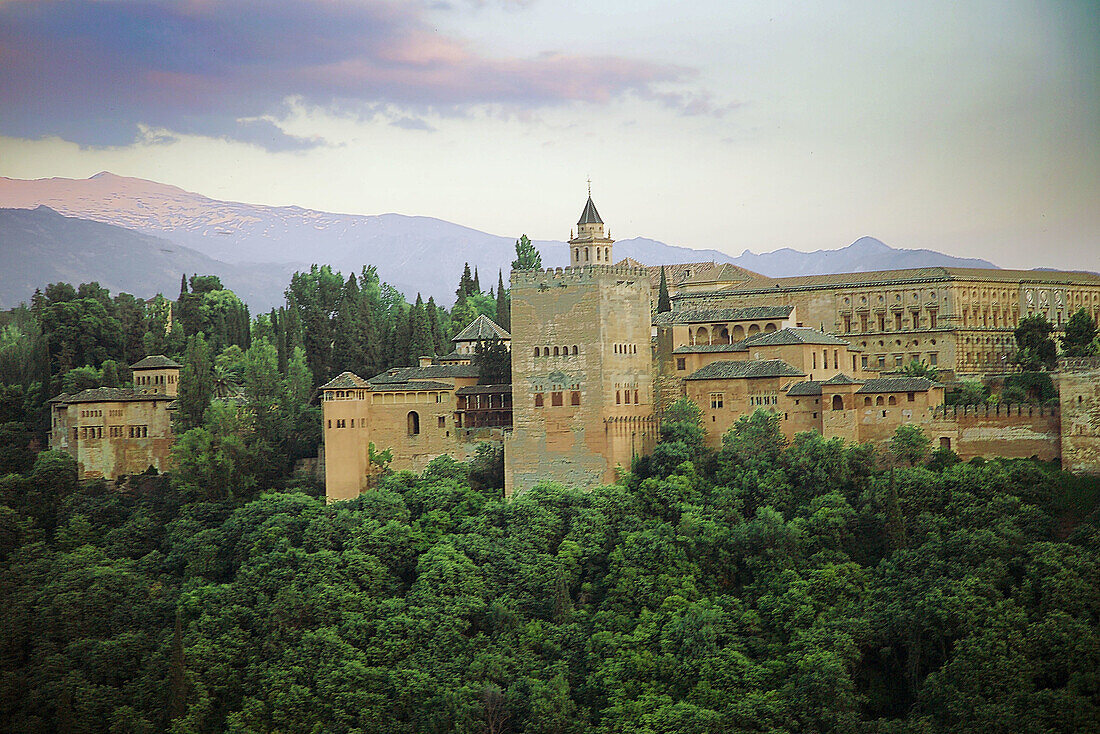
<point x="792" y="335"/>
<point x="155" y="361"/>
<point x="62" y="398"/>
<point x="898" y="384"/>
<point x="738" y="370"/>
<point x="590" y="215"/>
<point x="841" y="379"/>
<point x="803" y="389"/>
<point x="482" y="328"/>
<point x="411" y="385"/>
<point x="484" y="389"/>
<point x="679" y="274"/>
<point x="115" y="395"/>
<point x="714" y="315"/>
<point x="431" y="372"/>
<point x="345" y="381"/>
<point x="708" y="348"/>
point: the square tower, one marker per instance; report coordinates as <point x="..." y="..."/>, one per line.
<point x="582" y="385"/>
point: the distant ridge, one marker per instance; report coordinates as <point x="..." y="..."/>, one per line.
<point x="413" y="253"/>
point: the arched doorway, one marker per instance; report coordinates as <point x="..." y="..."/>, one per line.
<point x="414" y="423"/>
<point x="838" y="402"/>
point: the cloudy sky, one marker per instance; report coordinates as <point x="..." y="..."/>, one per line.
<point x="968" y="127"/>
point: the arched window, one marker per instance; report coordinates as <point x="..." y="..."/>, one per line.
<point x="607" y="253"/>
<point x="738" y="333"/>
<point x="753" y="329"/>
<point x="701" y="336"/>
<point x="546" y="351"/>
<point x="867" y="401"/>
<point x="769" y="328"/>
<point x="574" y="349"/>
<point x="586" y="254"/>
<point x="598" y="255"/>
<point x="838" y="402"/>
<point x="577" y="254"/>
<point x="892" y="401"/>
<point x="565" y="351"/>
<point x="536" y="351"/>
<point x="557" y="353"/>
<point x="414" y="423"/>
<point x="878" y="400"/>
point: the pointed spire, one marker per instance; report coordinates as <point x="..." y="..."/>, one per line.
<point x="590" y="215"/>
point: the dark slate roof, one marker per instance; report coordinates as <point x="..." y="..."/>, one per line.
<point x="841" y="379"/>
<point x="792" y="335"/>
<point x="62" y="398"/>
<point x="802" y="389"/>
<point x="411" y="385"/>
<point x="715" y="315"/>
<point x="482" y="328"/>
<point x="115" y="395"/>
<point x="484" y="389"/>
<point x="743" y="370"/>
<point x="345" y="381"/>
<point x="155" y="361"/>
<point x="898" y="384"/>
<point x="708" y="348"/>
<point x="590" y="215"/>
<point x="435" y="371"/>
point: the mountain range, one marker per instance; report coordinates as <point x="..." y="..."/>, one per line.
<point x="156" y="230"/>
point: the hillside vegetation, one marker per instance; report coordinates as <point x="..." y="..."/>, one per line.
<point x="762" y="588"/>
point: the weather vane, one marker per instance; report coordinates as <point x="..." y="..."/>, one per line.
<point x="589" y="186"/>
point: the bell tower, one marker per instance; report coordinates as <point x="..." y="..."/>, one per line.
<point x="590" y="246"/>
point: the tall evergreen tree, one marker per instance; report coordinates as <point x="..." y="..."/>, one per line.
<point x="183" y="285"/>
<point x="1080" y="333"/>
<point x="420" y="333"/>
<point x="504" y="305"/>
<point x="476" y="283"/>
<point x="196" y="386"/>
<point x="402" y="338"/>
<point x="663" y="302"/>
<point x="466" y="283"/>
<point x="527" y="257"/>
<point x="462" y="314"/>
<point x="438" y="340"/>
<point x="494" y="362"/>
<point x="347" y="346"/>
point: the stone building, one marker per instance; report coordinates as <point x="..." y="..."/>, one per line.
<point x="582" y="378"/>
<point x="417" y="413"/>
<point x="960" y="320"/>
<point x="119" y="431"/>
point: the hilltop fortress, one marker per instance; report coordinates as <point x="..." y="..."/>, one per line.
<point x="593" y="367"/>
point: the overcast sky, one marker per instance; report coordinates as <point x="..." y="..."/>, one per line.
<point x="967" y="127"/>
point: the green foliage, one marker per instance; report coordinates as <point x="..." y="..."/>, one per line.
<point x="916" y="368"/>
<point x="1035" y="349"/>
<point x="663" y="302"/>
<point x="1079" y="339"/>
<point x="503" y="309"/>
<point x="494" y="362"/>
<point x="909" y="444"/>
<point x="527" y="256"/>
<point x="196" y="388"/>
<point x="968" y="392"/>
<point x="1029" y="387"/>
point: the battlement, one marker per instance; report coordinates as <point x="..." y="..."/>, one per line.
<point x="1078" y="364"/>
<point x="584" y="273"/>
<point x="1007" y="410"/>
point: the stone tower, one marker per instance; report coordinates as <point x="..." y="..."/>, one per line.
<point x="582" y="386"/>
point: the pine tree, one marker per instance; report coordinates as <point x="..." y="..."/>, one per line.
<point x="663" y="302"/>
<point x="527" y="257"/>
<point x="504" y="305"/>
<point x="183" y="285"/>
<point x="476" y="283"/>
<point x="347" y="345"/>
<point x="196" y="386"/>
<point x="438" y="341"/>
<point x="466" y="284"/>
<point x="420" y="333"/>
<point x="402" y="338"/>
<point x="278" y="327"/>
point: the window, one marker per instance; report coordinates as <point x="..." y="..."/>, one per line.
<point x="555" y="398"/>
<point x="814" y="360"/>
<point x="538" y="400"/>
<point x="847" y="324"/>
<point x="882" y="362"/>
<point x="897" y="360"/>
<point x="442" y="422"/>
<point x="353" y="423"/>
<point x="867" y="401"/>
<point x="574" y="350"/>
<point x="330" y="423"/>
<point x="626" y="397"/>
<point x="681" y="363"/>
<point x="933" y="358"/>
<point x="838" y="402"/>
<point x="635" y="397"/>
<point x="945" y="443"/>
<point x="815" y="415"/>
<point x="897" y="321"/>
<point x="556" y="354"/>
<point x="879" y="400"/>
<point x="863" y="362"/>
<point x="618" y="398"/>
<point x="910" y="397"/>
<point x="575" y="397"/>
<point x="536" y="351"/>
<point x="892" y="401"/>
<point x="716" y="400"/>
<point x="414" y="423"/>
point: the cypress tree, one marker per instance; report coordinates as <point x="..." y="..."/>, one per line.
<point x="183" y="285"/>
<point x="437" y="330"/>
<point x="278" y="325"/>
<point x="476" y="283"/>
<point x="466" y="283"/>
<point x="347" y="344"/>
<point x="196" y="386"/>
<point x="372" y="338"/>
<point x="402" y="338"/>
<point x="663" y="302"/>
<point x="504" y="305"/>
<point x="420" y="333"/>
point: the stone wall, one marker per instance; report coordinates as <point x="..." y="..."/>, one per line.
<point x="1079" y="398"/>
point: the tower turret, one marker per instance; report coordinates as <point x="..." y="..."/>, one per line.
<point x="590" y="246"/>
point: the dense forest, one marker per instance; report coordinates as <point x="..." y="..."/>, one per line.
<point x="764" y="587"/>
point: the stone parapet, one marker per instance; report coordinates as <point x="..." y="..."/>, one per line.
<point x="534" y="277"/>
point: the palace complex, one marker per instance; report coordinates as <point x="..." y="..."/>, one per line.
<point x="593" y="366"/>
